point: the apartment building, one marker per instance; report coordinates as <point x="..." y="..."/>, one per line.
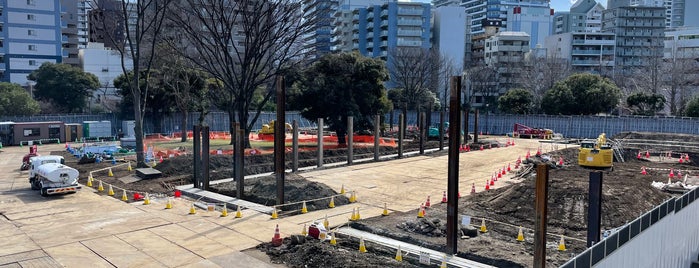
<point x="639" y="34"/>
<point x="586" y="52"/>
<point x="505" y="52"/>
<point x="584" y="16"/>
<point x="30" y="34"/>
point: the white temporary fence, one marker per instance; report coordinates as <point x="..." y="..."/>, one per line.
<point x="667" y="236"/>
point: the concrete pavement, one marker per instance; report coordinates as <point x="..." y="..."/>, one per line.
<point x="86" y="229"/>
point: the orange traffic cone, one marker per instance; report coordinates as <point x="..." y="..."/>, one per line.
<point x="427" y="203"/>
<point x="672" y="174"/>
<point x="519" y="160"/>
<point x="681" y="159"/>
<point x="638" y="156"/>
<point x="643" y="171"/>
<point x="538" y="151"/>
<point x="473" y="188"/>
<point x="508" y="167"/>
<point x="560" y="160"/>
<point x="528" y="155"/>
<point x="499" y="175"/>
<point x="503" y="171"/>
<point x="277" y="239"/>
<point x="421" y="212"/>
<point x="444" y="197"/>
<point x="487" y="186"/>
<point x="492" y="181"/>
<point x="647" y="154"/>
<point x="481" y="147"/>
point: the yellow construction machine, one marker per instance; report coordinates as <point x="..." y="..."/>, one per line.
<point x="269" y="128"/>
<point x="596" y="153"/>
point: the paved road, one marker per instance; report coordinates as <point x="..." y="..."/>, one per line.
<point x="86" y="229"/>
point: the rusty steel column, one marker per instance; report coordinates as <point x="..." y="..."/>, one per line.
<point x="295" y="147"/>
<point x="320" y="142"/>
<point x="197" y="156"/>
<point x="441" y="130"/>
<point x="377" y="128"/>
<point x="475" y="126"/>
<point x="401" y="133"/>
<point x="350" y="137"/>
<point x="238" y="151"/>
<point x="453" y="167"/>
<point x="541" y="200"/>
<point x="421" y="126"/>
<point x="205" y="157"/>
<point x="279" y="136"/>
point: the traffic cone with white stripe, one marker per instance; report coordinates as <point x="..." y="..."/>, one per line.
<point x="332" y="202"/>
<point x="444" y="197"/>
<point x="277" y="238"/>
<point x="399" y="254"/>
<point x="520" y="235"/>
<point x="362" y="247"/>
<point x="238" y="213"/>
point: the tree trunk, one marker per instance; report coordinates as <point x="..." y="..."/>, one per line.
<point x="183" y="127"/>
<point x="231" y="123"/>
<point x="138" y="130"/>
<point x="243" y="119"/>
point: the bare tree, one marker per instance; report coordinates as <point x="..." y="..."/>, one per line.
<point x="244" y="44"/>
<point x="416" y="71"/>
<point x="541" y="73"/>
<point x="134" y="27"/>
<point x="483" y="84"/>
<point x="678" y="73"/>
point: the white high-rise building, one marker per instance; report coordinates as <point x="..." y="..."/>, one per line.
<point x="450" y="34"/>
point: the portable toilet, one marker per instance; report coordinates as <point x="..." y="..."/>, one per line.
<point x="74" y="132"/>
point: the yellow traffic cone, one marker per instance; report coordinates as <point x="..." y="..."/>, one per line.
<point x="100" y="188"/>
<point x="124" y="197"/>
<point x="322" y="235"/>
<point x="399" y="254"/>
<point x="353" y="197"/>
<point x="385" y="210"/>
<point x="111" y="191"/>
<point x="304" y="210"/>
<point x="444" y="262"/>
<point x="303" y="231"/>
<point x="238" y="213"/>
<point x="520" y="235"/>
<point x="562" y="244"/>
<point x="154" y="163"/>
<point x="192" y="210"/>
<point x="274" y="214"/>
<point x="357" y="217"/>
<point x="326" y="223"/>
<point x="146" y="201"/>
<point x="342" y="190"/>
<point x="332" y="202"/>
<point x="110" y="174"/>
<point x="483" y="229"/>
<point x="168" y="205"/>
<point x="333" y="240"/>
<point x="89" y="180"/>
<point x="129" y="167"/>
<point x="224" y="211"/>
<point x="421" y="212"/>
<point x="353" y="216"/>
<point x="362" y="247"/>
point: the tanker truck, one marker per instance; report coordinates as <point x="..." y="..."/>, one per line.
<point x="49" y="175"/>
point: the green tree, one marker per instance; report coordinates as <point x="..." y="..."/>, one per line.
<point x="692" y="108"/>
<point x="645" y="103"/>
<point x="516" y="101"/>
<point x="14" y="100"/>
<point x="341" y="85"/>
<point x="581" y="94"/>
<point x="64" y="86"/>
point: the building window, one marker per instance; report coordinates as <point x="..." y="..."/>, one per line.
<point x="32" y="132"/>
<point x="31" y="47"/>
<point x="105" y="70"/>
<point x="31" y="32"/>
<point x="32" y="62"/>
<point x="30" y="17"/>
<point x="30" y="2"/>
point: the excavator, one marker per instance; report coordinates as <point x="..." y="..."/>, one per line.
<point x="269" y="128"/>
<point x="596" y="153"/>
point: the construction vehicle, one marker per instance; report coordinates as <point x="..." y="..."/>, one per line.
<point x="49" y="175"/>
<point x="269" y="128"/>
<point x="26" y="159"/>
<point x="596" y="153"/>
<point x="523" y="131"/>
<point x="433" y="132"/>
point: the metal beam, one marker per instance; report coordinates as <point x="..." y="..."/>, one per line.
<point x="350" y="139"/>
<point x="279" y="136"/>
<point x="541" y="200"/>
<point x="594" y="211"/>
<point x="453" y="167"/>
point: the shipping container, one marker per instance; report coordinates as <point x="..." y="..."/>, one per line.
<point x="97" y="129"/>
<point x="38" y="132"/>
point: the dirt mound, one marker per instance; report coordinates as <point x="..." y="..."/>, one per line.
<point x="299" y="251"/>
<point x="432" y="227"/>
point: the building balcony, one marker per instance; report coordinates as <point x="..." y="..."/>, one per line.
<point x="64" y="39"/>
<point x="355" y="36"/>
<point x="370" y="35"/>
<point x="408" y="43"/>
<point x="370" y="16"/>
<point x="370" y="25"/>
<point x="383" y="44"/>
<point x="355" y="27"/>
<point x="409" y="33"/>
<point x="410" y="11"/>
<point x="410" y="22"/>
<point x="586" y="52"/>
<point x="355" y="46"/>
<point x="370" y="44"/>
<point x="383" y="53"/>
<point x="384" y="13"/>
<point x="72" y="61"/>
<point x="384" y="33"/>
<point x="355" y="18"/>
<point x="2" y="66"/>
<point x="384" y="24"/>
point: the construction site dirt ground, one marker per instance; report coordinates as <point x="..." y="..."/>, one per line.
<point x="627" y="194"/>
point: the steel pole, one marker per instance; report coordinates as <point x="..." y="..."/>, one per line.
<point x="453" y="168"/>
